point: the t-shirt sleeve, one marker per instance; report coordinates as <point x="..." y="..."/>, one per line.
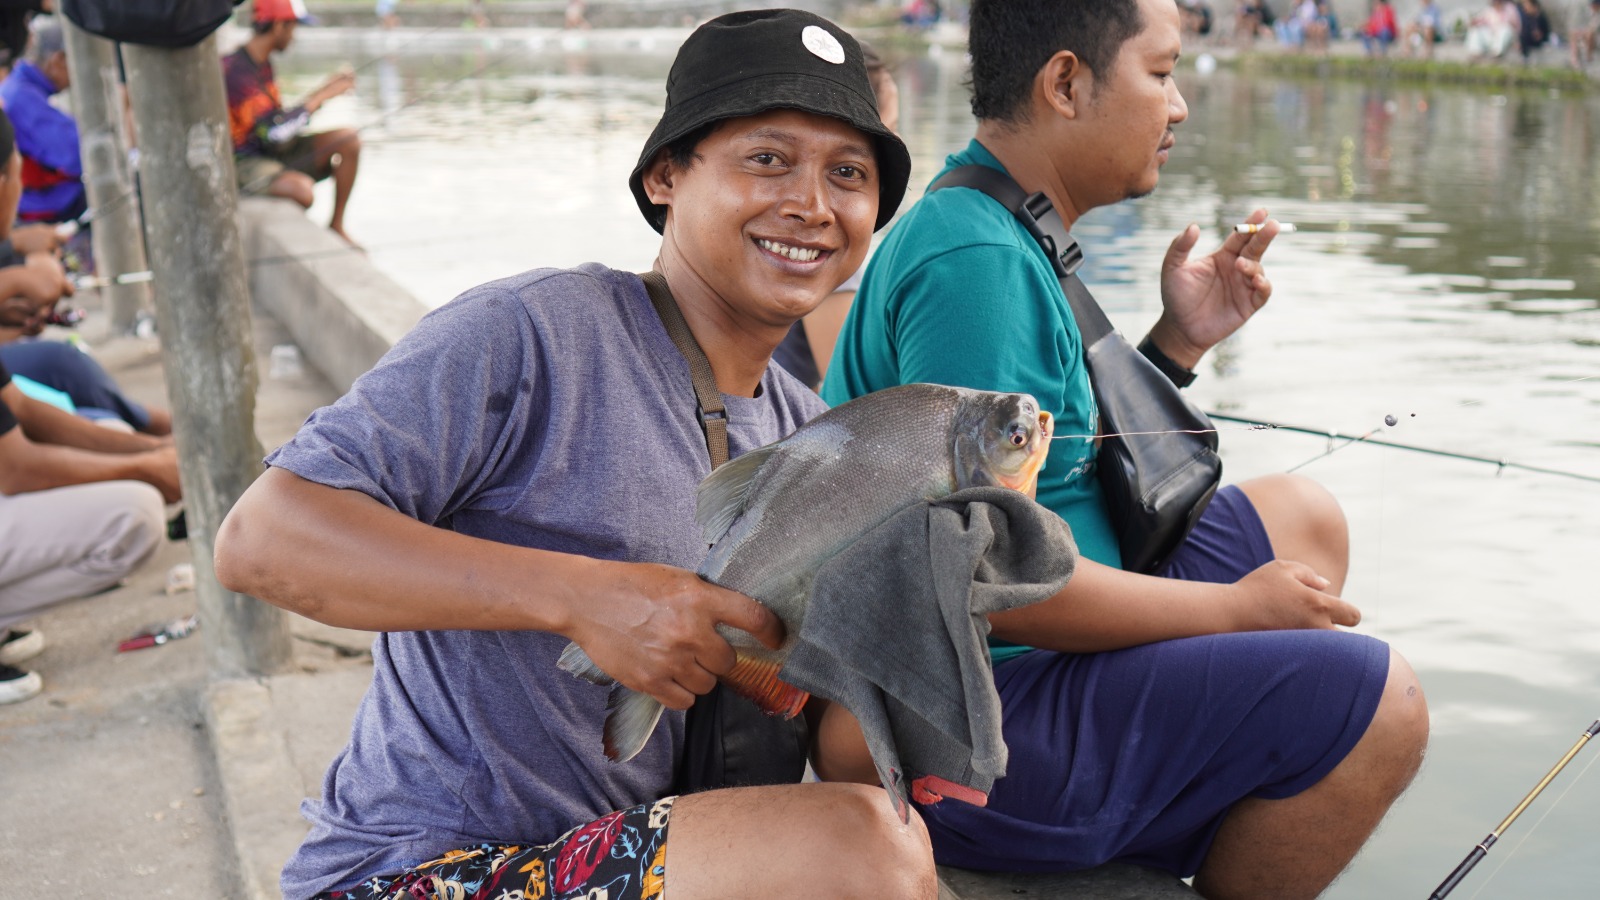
<point x="426" y="431"/>
<point x="977" y="317"/>
<point x="8" y="420"/>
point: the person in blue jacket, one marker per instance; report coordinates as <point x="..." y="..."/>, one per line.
<point x="47" y="138"/>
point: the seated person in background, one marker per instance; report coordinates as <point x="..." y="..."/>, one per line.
<point x="1232" y="651"/>
<point x="75" y="518"/>
<point x="1425" y="30"/>
<point x="273" y="152"/>
<point x="1584" y="36"/>
<point x="1252" y="19"/>
<point x="805" y="351"/>
<point x="1196" y="16"/>
<point x="1535" y="31"/>
<point x="1380" y="29"/>
<point x="1493" y="32"/>
<point x="1304" y="27"/>
<point x="47" y="138"/>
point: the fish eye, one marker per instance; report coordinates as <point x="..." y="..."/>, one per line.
<point x="1017" y="434"/>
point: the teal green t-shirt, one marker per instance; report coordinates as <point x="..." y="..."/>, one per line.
<point x="958" y="293"/>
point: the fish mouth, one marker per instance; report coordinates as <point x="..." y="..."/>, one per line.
<point x="1026" y="479"/>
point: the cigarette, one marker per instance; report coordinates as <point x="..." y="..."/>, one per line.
<point x="1283" y="228"/>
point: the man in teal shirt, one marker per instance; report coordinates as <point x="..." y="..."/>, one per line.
<point x="1162" y="728"/>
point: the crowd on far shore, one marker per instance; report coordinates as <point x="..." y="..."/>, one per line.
<point x="1522" y="31"/>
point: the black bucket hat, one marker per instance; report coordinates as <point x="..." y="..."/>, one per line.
<point x="746" y="63"/>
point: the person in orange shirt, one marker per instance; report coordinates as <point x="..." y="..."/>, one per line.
<point x="274" y="154"/>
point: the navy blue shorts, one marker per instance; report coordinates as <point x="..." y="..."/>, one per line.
<point x="1138" y="754"/>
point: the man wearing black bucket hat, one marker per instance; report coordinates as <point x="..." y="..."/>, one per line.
<point x="545" y="423"/>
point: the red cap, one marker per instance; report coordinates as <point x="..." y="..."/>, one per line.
<point x="282" y="11"/>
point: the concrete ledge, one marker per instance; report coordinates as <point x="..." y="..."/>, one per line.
<point x="272" y="739"/>
<point x="1115" y="881"/>
<point x="341" y="310"/>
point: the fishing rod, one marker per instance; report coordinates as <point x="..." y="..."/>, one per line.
<point x="1482" y="848"/>
<point x="1500" y="464"/>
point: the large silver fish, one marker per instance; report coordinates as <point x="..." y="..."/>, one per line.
<point x="775" y="515"/>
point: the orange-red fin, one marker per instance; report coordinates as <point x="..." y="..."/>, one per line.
<point x="757" y="681"/>
<point x="930" y="789"/>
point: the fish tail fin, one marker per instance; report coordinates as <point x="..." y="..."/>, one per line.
<point x="577" y="663"/>
<point x="632" y="719"/>
<point x="757" y="681"/>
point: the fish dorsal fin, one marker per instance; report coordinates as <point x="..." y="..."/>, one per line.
<point x="722" y="496"/>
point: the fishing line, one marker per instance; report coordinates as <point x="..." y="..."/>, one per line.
<point x="1547" y="812"/>
<point x="1259" y="426"/>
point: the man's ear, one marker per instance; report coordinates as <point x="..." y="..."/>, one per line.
<point x="658" y="179"/>
<point x="1062" y="83"/>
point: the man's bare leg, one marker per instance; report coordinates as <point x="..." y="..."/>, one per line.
<point x="1305" y="524"/>
<point x="292" y="185"/>
<point x="1296" y="847"/>
<point x="802" y="841"/>
<point x="341" y="151"/>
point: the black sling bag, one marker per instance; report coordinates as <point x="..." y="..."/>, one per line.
<point x="727" y="740"/>
<point x="1156" y="484"/>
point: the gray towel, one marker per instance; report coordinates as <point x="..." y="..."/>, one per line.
<point x="895" y="631"/>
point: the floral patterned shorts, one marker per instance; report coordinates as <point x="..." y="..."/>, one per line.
<point x="621" y="856"/>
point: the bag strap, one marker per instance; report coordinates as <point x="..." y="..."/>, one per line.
<point x="712" y="413"/>
<point x="1039" y="217"/>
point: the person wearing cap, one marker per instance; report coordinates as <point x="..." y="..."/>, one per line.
<point x="274" y="153"/>
<point x="47" y="137"/>
<point x="81" y="507"/>
<point x="519" y="472"/>
<point x="1583" y="37"/>
<point x="1211" y="719"/>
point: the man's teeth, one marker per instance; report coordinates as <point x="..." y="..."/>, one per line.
<point x="798" y="254"/>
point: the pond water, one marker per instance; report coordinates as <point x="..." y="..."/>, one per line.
<point x="1446" y="272"/>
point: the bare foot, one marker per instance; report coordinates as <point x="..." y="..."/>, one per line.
<point x="339" y="230"/>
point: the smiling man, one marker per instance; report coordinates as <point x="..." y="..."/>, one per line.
<point x="1210" y="719"/>
<point x="520" y="471"/>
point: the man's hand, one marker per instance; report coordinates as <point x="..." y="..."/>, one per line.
<point x="653" y="628"/>
<point x="338" y="83"/>
<point x="159" y="467"/>
<point x="1284" y="594"/>
<point x="36" y="239"/>
<point x="1205" y="300"/>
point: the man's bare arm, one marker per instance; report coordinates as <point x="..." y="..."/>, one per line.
<point x="343" y="558"/>
<point x="1108" y="609"/>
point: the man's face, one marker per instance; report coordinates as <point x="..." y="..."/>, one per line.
<point x="776" y="211"/>
<point x="1131" y="110"/>
<point x="283" y="34"/>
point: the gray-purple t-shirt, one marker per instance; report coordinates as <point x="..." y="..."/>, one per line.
<point x="545" y="410"/>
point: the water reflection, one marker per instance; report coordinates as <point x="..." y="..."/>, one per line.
<point x="1445" y="272"/>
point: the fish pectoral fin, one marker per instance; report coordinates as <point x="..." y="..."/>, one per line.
<point x="577" y="663"/>
<point x="723" y="495"/>
<point x="757" y="680"/>
<point x="630" y="723"/>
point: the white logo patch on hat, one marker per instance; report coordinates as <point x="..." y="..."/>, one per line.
<point x="822" y="45"/>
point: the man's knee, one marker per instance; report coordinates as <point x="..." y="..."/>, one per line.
<point x="135" y="527"/>
<point x="876" y="855"/>
<point x="294" y="186"/>
<point x="1304" y="521"/>
<point x="1399" y="728"/>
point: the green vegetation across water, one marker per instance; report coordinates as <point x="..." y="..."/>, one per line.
<point x="1435" y="70"/>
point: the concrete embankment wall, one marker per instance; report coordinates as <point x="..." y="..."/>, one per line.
<point x="342" y="312"/>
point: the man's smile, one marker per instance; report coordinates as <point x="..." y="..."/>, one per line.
<point x="792" y="252"/>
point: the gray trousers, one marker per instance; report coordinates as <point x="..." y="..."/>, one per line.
<point x="70" y="542"/>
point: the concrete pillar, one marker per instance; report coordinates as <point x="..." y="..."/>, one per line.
<point x="203" y="313"/>
<point x="97" y="105"/>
